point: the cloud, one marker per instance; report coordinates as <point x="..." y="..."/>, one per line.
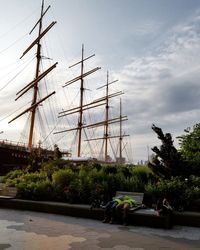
<point x="146" y="28"/>
<point x="163" y="85"/>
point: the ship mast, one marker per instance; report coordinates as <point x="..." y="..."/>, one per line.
<point x="80" y="123"/>
<point x="106" y="127"/>
<point x="38" y="76"/>
<point x="106" y="135"/>
<point x="121" y="136"/>
<point x="120" y="131"/>
<point x="107" y="120"/>
<point x="82" y="107"/>
<point x="35" y="88"/>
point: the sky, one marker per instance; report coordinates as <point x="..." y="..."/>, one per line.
<point x="151" y="47"/>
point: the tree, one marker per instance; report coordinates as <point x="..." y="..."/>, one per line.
<point x="167" y="161"/>
<point x="190" y="148"/>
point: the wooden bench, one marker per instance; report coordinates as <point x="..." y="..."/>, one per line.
<point x="136" y="196"/>
<point x="143" y="216"/>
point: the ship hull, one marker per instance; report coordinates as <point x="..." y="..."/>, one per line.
<point x="12" y="158"/>
<point x="17" y="156"/>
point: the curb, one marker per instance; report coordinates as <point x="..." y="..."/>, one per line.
<point x="139" y="218"/>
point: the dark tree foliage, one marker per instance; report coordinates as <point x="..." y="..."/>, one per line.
<point x="167" y="161"/>
<point x="190" y="148"/>
<point x="190" y="143"/>
<point x="126" y="172"/>
<point x="110" y="170"/>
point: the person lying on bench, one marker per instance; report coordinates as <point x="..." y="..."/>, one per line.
<point x="123" y="209"/>
<point x="110" y="209"/>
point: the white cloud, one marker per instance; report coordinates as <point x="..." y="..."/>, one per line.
<point x="146" y="28"/>
<point x="163" y="86"/>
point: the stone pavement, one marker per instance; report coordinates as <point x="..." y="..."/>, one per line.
<point x="26" y="230"/>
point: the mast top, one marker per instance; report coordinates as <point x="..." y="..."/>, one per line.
<point x="108" y="83"/>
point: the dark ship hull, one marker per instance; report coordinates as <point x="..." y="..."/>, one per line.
<point x="15" y="156"/>
<point x="12" y="156"/>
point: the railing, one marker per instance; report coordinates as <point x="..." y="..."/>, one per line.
<point x="13" y="145"/>
<point x="24" y="147"/>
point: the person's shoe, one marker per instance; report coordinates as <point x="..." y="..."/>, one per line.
<point x="111" y="221"/>
<point x="105" y="220"/>
<point x="125" y="222"/>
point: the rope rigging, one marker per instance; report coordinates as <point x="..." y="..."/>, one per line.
<point x="49" y="101"/>
<point x="42" y="129"/>
<point x="16" y="75"/>
<point x="90" y="147"/>
<point x="90" y="131"/>
<point x="24" y="132"/>
<point x="14" y="112"/>
<point x="101" y="150"/>
<point x="112" y="147"/>
<point x="12" y="44"/>
<point x="18" y="24"/>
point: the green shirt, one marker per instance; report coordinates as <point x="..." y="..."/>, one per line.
<point x="119" y="199"/>
<point x="130" y="201"/>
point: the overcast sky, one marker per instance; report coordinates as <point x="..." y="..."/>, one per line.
<point x="151" y="46"/>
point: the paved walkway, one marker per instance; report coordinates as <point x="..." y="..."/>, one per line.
<point x="25" y="230"/>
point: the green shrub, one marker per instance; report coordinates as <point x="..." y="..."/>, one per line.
<point x="43" y="190"/>
<point x="193" y="190"/>
<point x="10" y="177"/>
<point x="26" y="190"/>
<point x="109" y="169"/>
<point x="72" y="191"/>
<point x="63" y="177"/>
<point x="144" y="173"/>
<point x="180" y="191"/>
<point x="34" y="177"/>
<point x="84" y="184"/>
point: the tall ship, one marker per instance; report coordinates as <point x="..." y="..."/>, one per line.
<point x="17" y="154"/>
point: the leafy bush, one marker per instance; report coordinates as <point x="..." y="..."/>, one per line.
<point x="34" y="177"/>
<point x="88" y="183"/>
<point x="72" y="191"/>
<point x="62" y="178"/>
<point x="25" y="190"/>
<point x="10" y="178"/>
<point x="40" y="190"/>
<point x="43" y="190"/>
<point x="180" y="191"/>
